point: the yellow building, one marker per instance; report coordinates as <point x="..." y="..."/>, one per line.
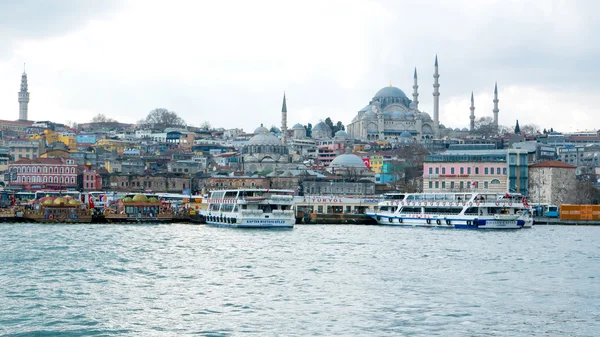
<point x="376" y="163"/>
<point x="114" y="145"/>
<point x="68" y="139"/>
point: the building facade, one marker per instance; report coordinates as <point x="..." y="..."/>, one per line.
<point x="44" y="173"/>
<point x="551" y="182"/>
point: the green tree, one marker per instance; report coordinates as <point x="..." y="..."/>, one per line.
<point x="517" y="128"/>
<point x="308" y="130"/>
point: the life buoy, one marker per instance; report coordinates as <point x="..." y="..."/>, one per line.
<point x="509" y="203"/>
<point x="470" y="204"/>
<point x="497" y="204"/>
<point x="390" y="220"/>
<point x="402" y="203"/>
<point x="437" y="221"/>
<point x="477" y="203"/>
<point x="428" y="221"/>
<point x="448" y="222"/>
<point x="51" y="216"/>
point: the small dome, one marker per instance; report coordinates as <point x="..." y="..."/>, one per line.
<point x="59" y="201"/>
<point x="261" y="129"/>
<point x="369" y="115"/>
<point x="442" y="126"/>
<point x="386" y="114"/>
<point x="275" y="130"/>
<point x="298" y="126"/>
<point x="390" y="92"/>
<point x="405" y="134"/>
<point x="139" y="198"/>
<point x="348" y="161"/>
<point x="425" y="116"/>
<point x="457" y="129"/>
<point x="410" y="114"/>
<point x="321" y="126"/>
<point x="341" y="134"/>
<point x="465" y="130"/>
<point x="264" y="139"/>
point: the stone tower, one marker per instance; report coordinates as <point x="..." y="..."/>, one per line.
<point x="415" y="91"/>
<point x="496" y="110"/>
<point x="23" y="97"/>
<point x="472" y="117"/>
<point x="284" y="121"/>
<point x="436" y="101"/>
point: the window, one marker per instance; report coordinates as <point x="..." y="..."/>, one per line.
<point x="443" y="170"/>
<point x="45" y="169"/>
<point x="468" y="170"/>
<point x="452" y="170"/>
<point x="443" y="184"/>
<point x="504" y="170"/>
<point x="431" y="170"/>
<point x="72" y="170"/>
<point x="485" y="184"/>
<point x="452" y="184"/>
<point x="431" y="184"/>
<point x="72" y="180"/>
<point x="437" y="184"/>
<point x="477" y="170"/>
<point x="45" y="179"/>
<point x="62" y="170"/>
<point x="498" y="170"/>
<point x="486" y="170"/>
<point x="437" y="170"/>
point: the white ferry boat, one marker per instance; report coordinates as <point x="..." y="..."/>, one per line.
<point x="459" y="210"/>
<point x="251" y="208"/>
<point x="390" y="203"/>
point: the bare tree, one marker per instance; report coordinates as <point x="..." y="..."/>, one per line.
<point x="485" y="126"/>
<point x="101" y="118"/>
<point x="162" y="117"/>
<point x="530" y="129"/>
<point x="205" y="126"/>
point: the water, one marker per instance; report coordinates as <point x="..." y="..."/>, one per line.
<point x="177" y="280"/>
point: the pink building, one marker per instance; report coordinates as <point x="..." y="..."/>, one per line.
<point x="465" y="172"/>
<point x="92" y="181"/>
<point x="44" y="173"/>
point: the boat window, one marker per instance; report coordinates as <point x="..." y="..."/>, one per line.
<point x="411" y="210"/>
<point x="443" y="210"/>
<point x="471" y="211"/>
<point x="320" y="209"/>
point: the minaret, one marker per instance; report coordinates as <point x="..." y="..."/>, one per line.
<point x="436" y="101"/>
<point x="23" y="97"/>
<point x="472" y="117"/>
<point x="415" y="91"/>
<point x="284" y="121"/>
<point x="496" y="110"/>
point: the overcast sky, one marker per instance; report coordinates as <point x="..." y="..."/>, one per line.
<point x="229" y="62"/>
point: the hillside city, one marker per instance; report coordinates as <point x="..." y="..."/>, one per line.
<point x="390" y="145"/>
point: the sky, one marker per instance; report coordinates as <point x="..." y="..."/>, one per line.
<point x="228" y="63"/>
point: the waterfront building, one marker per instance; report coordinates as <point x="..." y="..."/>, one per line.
<point x="44" y="173"/>
<point x="551" y="182"/>
<point x="91" y="180"/>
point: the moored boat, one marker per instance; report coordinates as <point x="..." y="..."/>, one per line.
<point x="460" y="210"/>
<point x="57" y="210"/>
<point x="250" y="208"/>
<point x="138" y="209"/>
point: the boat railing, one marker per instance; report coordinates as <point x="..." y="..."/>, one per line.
<point x="251" y="212"/>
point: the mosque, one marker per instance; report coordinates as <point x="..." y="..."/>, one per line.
<point x="392" y="116"/>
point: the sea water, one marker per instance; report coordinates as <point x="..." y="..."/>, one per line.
<point x="178" y="280"/>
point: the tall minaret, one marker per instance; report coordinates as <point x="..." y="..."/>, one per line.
<point x="284" y="121"/>
<point x="436" y="101"/>
<point x="23" y="97"/>
<point x="415" y="91"/>
<point x="472" y="117"/>
<point x="496" y="110"/>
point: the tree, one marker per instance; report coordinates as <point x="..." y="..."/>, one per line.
<point x="334" y="128"/>
<point x="517" y="128"/>
<point x="162" y="117"/>
<point x="530" y="129"/>
<point x="205" y="126"/>
<point x="100" y="118"/>
<point x="485" y="126"/>
<point x="308" y="130"/>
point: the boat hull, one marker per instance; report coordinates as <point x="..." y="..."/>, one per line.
<point x="454" y="222"/>
<point x="235" y="222"/>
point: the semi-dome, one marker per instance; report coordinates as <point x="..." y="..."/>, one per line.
<point x="348" y="160"/>
<point x="457" y="129"/>
<point x="405" y="134"/>
<point x="261" y="129"/>
<point x="298" y="126"/>
<point x="425" y="116"/>
<point x="410" y="114"/>
<point x="369" y="115"/>
<point x="264" y="139"/>
<point x="398" y="114"/>
<point x="390" y="92"/>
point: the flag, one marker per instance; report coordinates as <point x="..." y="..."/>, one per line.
<point x="91" y="202"/>
<point x="506" y="196"/>
<point x="473" y="184"/>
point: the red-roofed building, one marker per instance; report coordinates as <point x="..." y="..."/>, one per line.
<point x="551" y="182"/>
<point x="44" y="173"/>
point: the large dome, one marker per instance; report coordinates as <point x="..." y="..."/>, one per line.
<point x="298" y="126"/>
<point x="260" y="130"/>
<point x="348" y="161"/>
<point x="321" y="126"/>
<point x="390" y="92"/>
<point x="264" y="139"/>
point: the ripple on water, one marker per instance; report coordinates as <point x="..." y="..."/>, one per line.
<point x="312" y="281"/>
